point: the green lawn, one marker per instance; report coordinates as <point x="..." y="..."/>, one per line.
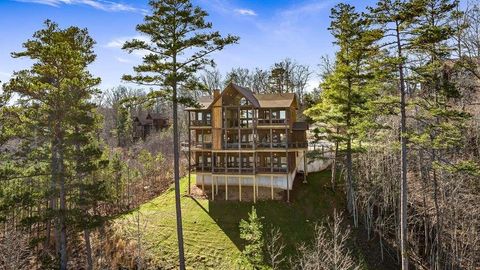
<point x="211" y="228"/>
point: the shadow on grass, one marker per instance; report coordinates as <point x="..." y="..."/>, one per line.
<point x="311" y="204"/>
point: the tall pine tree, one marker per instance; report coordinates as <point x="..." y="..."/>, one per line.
<point x="180" y="41"/>
<point x="347" y="89"/>
<point x="396" y="18"/>
<point x="54" y="99"/>
<point x="440" y="124"/>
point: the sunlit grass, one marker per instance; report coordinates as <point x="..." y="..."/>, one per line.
<point x="211" y="232"/>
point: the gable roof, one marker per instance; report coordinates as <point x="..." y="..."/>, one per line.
<point x="247" y="93"/>
<point x="280" y="100"/>
<point x="283" y="100"/>
<point x="204" y="102"/>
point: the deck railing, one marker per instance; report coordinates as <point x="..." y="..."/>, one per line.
<point x="272" y="121"/>
<point x="200" y="122"/>
<point x="236" y="170"/>
<point x="203" y="145"/>
<point x="236" y="145"/>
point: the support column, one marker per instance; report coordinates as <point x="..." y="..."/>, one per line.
<point x="254" y="189"/>
<point x="305" y="169"/>
<point x="203" y="183"/>
<point x="216" y="185"/>
<point x="213" y="188"/>
<point x="240" y="188"/>
<point x="189" y="154"/>
<point x="288" y="188"/>
<point x="271" y="138"/>
<point x="226" y="188"/>
<point x="271" y="184"/>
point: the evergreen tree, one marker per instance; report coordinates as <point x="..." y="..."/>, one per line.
<point x="396" y="18"/>
<point x="441" y="125"/>
<point x="53" y="100"/>
<point x="348" y="88"/>
<point x="251" y="232"/>
<point x="180" y="42"/>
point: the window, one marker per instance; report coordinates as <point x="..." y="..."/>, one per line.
<point x="199" y="116"/>
<point x="276" y="138"/>
<point x="246" y="138"/>
<point x="243" y="101"/>
<point x="279" y="114"/>
<point x="207" y="137"/>
<point x="247" y="162"/>
<point x="267" y="161"/>
<point x="232" y="161"/>
<point x="283" y="162"/>
<point x="219" y="161"/>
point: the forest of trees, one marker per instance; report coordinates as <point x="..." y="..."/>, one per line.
<point x="399" y="102"/>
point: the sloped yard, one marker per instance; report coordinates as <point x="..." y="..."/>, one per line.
<point x="211" y="231"/>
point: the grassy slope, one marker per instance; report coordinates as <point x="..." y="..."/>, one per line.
<point x="211" y="228"/>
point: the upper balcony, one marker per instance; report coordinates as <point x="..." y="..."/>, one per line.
<point x="200" y="119"/>
<point x="273" y="117"/>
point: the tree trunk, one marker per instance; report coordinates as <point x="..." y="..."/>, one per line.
<point x="350" y="190"/>
<point x="88" y="248"/>
<point x="334" y="166"/>
<point x="176" y="173"/>
<point x="350" y="186"/>
<point x="55" y="168"/>
<point x="403" y="142"/>
<point x="63" y="209"/>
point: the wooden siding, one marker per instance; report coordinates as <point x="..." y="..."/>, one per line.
<point x="217" y="120"/>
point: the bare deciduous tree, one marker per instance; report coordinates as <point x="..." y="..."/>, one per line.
<point x="274" y="247"/>
<point x="212" y="79"/>
<point x="14" y="250"/>
<point x="329" y="248"/>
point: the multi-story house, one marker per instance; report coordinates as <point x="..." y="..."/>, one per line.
<point x="247" y="144"/>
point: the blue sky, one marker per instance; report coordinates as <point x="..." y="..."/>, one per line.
<point x="269" y="30"/>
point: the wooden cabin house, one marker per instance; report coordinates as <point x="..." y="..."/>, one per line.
<point x="144" y="125"/>
<point x="247" y="145"/>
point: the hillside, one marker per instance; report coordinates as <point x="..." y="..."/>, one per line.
<point x="211" y="228"/>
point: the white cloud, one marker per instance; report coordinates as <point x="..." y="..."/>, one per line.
<point x="97" y="4"/>
<point x="122" y="60"/>
<point x="246" y="12"/>
<point x="118" y="42"/>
